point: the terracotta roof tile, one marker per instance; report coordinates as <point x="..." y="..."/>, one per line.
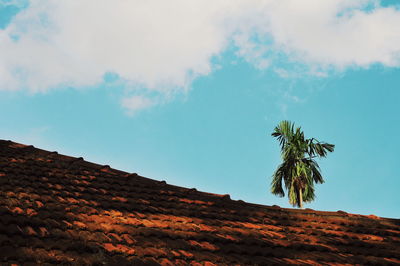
<point x="56" y="209"/>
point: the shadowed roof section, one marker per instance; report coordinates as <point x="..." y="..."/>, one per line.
<point x="58" y="209"/>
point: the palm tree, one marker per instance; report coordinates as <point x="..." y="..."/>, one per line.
<point x="298" y="170"/>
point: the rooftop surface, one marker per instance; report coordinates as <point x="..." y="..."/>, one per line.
<point x="58" y="209"/>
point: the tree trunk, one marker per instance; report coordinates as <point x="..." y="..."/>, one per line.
<point x="301" y="198"/>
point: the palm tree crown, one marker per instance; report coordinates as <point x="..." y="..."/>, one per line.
<point x="298" y="170"/>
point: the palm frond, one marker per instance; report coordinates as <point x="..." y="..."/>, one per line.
<point x="315" y="170"/>
<point x="319" y="149"/>
<point x="309" y="192"/>
<point x="293" y="197"/>
<point x="276" y="184"/>
<point x="283" y="132"/>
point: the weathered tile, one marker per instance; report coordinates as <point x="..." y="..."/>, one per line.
<point x="56" y="209"/>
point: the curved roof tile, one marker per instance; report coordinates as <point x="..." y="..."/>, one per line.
<point x="63" y="210"/>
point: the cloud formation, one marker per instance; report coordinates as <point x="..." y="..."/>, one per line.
<point x="136" y="103"/>
<point x="163" y="45"/>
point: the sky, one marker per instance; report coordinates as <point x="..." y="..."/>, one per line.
<point x="190" y="91"/>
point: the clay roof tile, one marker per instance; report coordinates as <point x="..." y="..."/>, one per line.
<point x="63" y="210"/>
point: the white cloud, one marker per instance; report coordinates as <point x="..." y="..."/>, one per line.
<point x="15" y="3"/>
<point x="136" y="103"/>
<point x="163" y="45"/>
<point x="336" y="33"/>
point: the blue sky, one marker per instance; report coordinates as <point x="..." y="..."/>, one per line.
<point x="195" y="103"/>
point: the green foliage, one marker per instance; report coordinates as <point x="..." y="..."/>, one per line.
<point x="298" y="171"/>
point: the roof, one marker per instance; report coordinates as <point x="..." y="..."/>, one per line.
<point x="58" y="209"/>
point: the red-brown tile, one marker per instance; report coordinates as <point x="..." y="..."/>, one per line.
<point x="64" y="210"/>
